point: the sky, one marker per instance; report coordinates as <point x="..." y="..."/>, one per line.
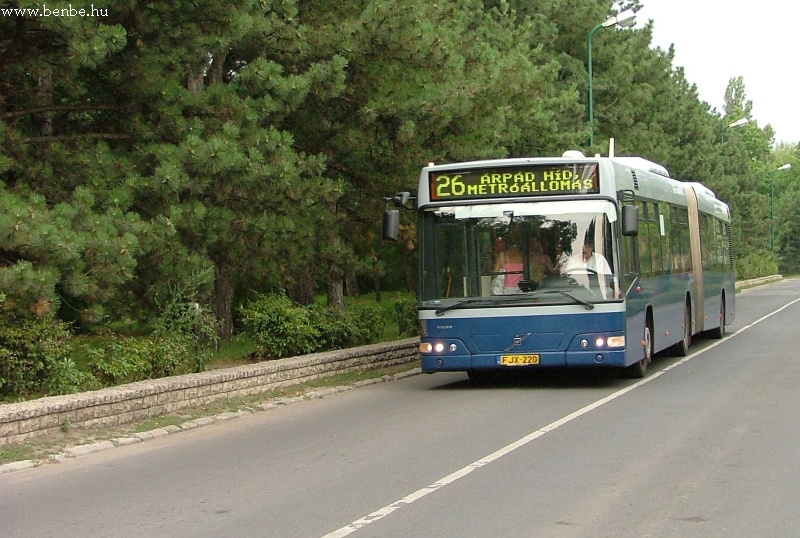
<point x="716" y="40"/>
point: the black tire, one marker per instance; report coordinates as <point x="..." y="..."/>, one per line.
<point x="638" y="369"/>
<point x="719" y="332"/>
<point x="681" y="349"/>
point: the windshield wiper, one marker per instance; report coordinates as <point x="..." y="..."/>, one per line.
<point x="509" y="299"/>
<point x="443" y="309"/>
<point x="586" y="304"/>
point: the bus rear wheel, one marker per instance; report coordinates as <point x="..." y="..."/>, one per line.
<point x="719" y="332"/>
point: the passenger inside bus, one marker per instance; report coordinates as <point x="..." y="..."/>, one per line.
<point x="539" y="263"/>
<point x="508" y="268"/>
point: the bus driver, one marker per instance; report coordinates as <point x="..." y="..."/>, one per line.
<point x="600" y="273"/>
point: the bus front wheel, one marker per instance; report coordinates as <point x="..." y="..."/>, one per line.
<point x="638" y="369"/>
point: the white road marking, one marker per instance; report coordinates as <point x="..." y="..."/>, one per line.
<point x="461" y="473"/>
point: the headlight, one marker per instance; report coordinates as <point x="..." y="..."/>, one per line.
<point x="616" y="341"/>
<point x="438" y="347"/>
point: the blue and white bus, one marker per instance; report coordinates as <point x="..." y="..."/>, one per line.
<point x="571" y="261"/>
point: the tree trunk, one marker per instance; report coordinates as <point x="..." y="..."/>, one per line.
<point x="333" y="258"/>
<point x="335" y="272"/>
<point x="195" y="82"/>
<point x="351" y="284"/>
<point x="223" y="301"/>
<point x="216" y="73"/>
<point x="336" y="292"/>
<point x="44" y="90"/>
<point x="302" y="290"/>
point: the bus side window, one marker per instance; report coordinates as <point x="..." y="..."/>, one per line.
<point x="667" y="237"/>
<point x="655" y="239"/>
<point x="677" y="263"/>
<point x="645" y="259"/>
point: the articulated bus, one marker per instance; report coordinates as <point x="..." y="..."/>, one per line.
<point x="570" y="261"/>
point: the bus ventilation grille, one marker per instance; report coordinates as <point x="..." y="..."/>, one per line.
<point x="730" y="246"/>
<point x="635" y="180"/>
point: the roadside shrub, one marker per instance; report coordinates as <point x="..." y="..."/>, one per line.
<point x="280" y="327"/>
<point x="335" y="327"/>
<point x="756" y="264"/>
<point x="66" y="378"/>
<point x="126" y="360"/>
<point x="407" y="320"/>
<point x="370" y="324"/>
<point x="34" y="355"/>
<point x="350" y="327"/>
<point x="183" y="340"/>
<point x="185" y="323"/>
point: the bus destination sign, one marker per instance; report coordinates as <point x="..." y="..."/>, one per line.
<point x="513" y="181"/>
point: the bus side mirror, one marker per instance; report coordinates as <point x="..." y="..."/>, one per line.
<point x="391" y="217"/>
<point x="630" y="220"/>
<point x="391" y="224"/>
<point x="402" y="198"/>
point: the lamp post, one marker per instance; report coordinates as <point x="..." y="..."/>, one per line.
<point x="772" y="207"/>
<point x="626" y="19"/>
<point x="737" y="123"/>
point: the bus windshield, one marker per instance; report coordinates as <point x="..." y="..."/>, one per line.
<point x="520" y="253"/>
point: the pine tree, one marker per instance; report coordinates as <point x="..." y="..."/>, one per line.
<point x="67" y="235"/>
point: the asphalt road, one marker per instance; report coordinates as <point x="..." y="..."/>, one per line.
<point x="705" y="446"/>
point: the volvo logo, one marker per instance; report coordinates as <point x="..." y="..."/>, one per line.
<point x="518" y="339"/>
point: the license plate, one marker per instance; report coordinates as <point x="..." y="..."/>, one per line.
<point x="519" y="360"/>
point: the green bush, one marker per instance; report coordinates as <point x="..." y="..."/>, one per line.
<point x="34" y="356"/>
<point x="125" y="360"/>
<point x="282" y="328"/>
<point x="407" y="317"/>
<point x="370" y="324"/>
<point x="335" y="327"/>
<point x="756" y="264"/>
<point x="183" y="340"/>
<point x="184" y="318"/>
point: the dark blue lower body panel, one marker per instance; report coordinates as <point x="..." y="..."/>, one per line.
<point x="563" y="340"/>
<point x="459" y="363"/>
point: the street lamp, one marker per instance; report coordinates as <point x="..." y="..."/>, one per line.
<point x="626" y="19"/>
<point x="772" y="207"/>
<point x="737" y="123"/>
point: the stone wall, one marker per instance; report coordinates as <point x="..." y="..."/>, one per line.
<point x="137" y="401"/>
<point x="744" y="284"/>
